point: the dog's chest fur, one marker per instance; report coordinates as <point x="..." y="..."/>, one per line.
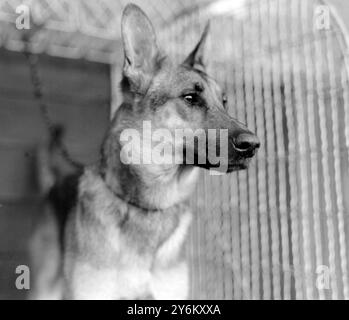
<point x="106" y="232"/>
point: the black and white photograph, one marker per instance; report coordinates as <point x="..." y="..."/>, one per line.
<point x="188" y="151"/>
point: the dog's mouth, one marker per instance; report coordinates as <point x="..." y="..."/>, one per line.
<point x="238" y="165"/>
<point x="236" y="158"/>
<point x="242" y="163"/>
<point x="231" y="166"/>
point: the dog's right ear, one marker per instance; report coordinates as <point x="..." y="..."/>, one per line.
<point x="141" y="49"/>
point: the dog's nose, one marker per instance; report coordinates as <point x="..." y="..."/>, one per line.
<point x="246" y="144"/>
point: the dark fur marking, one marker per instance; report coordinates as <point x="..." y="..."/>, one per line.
<point x="156" y="100"/>
<point x="199" y="87"/>
<point x="63" y="197"/>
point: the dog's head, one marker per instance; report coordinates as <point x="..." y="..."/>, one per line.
<point x="179" y="97"/>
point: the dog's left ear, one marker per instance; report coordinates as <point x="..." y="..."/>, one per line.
<point x="140" y="45"/>
<point x="196" y="57"/>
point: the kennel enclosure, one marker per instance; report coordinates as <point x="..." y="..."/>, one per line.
<point x="280" y="229"/>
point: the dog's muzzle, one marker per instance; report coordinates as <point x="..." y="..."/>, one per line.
<point x="242" y="149"/>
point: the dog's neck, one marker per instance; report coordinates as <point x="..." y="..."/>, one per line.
<point x="152" y="187"/>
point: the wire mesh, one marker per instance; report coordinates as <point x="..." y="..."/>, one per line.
<point x="278" y="231"/>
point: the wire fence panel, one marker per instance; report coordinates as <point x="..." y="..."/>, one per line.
<point x="279" y="230"/>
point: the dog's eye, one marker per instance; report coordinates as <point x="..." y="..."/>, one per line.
<point x="191" y="98"/>
<point x="225" y="101"/>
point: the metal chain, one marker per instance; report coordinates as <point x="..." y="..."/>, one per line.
<point x="37" y="91"/>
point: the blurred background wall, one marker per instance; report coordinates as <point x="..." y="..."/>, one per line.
<point x="264" y="233"/>
<point x="78" y="94"/>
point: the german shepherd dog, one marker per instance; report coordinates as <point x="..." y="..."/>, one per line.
<point x="127" y="222"/>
